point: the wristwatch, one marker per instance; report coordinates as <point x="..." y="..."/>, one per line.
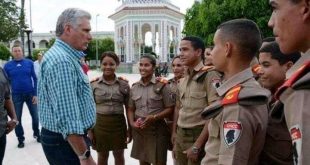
<point x="15" y="121"/>
<point x="85" y="155"/>
<point x="195" y="150"/>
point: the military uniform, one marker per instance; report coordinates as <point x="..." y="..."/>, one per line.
<point x="278" y="147"/>
<point x="238" y="122"/>
<point x="195" y="92"/>
<point x="295" y="95"/>
<point x="151" y="143"/>
<point x="110" y="128"/>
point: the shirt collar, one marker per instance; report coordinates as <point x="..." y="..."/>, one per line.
<point x="153" y="80"/>
<point x="196" y="68"/>
<point x="102" y="80"/>
<point x="304" y="57"/>
<point x="73" y="52"/>
<point x="235" y="80"/>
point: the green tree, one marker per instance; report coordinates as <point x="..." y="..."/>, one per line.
<point x="208" y="14"/>
<point x="9" y="18"/>
<point x="106" y="44"/>
<point x="51" y="42"/>
<point x="4" y="52"/>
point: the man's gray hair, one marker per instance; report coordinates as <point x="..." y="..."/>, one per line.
<point x="70" y="16"/>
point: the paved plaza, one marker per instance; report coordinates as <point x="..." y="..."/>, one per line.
<point x="33" y="154"/>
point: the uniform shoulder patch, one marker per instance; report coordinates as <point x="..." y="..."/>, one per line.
<point x="297" y="75"/>
<point x="123" y="78"/>
<point x="296" y="141"/>
<point x="231" y="132"/>
<point x="231" y="96"/>
<point x="94" y="80"/>
<point x="162" y="80"/>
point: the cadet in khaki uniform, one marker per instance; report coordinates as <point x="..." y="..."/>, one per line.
<point x="278" y="144"/>
<point x="290" y="21"/>
<point x="110" y="94"/>
<point x="150" y="102"/>
<point x="195" y="92"/>
<point x="238" y="121"/>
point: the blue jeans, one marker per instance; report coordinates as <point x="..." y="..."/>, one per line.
<point x="2" y="147"/>
<point x="19" y="100"/>
<point x="57" y="150"/>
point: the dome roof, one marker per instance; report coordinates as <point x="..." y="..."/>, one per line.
<point x="144" y="1"/>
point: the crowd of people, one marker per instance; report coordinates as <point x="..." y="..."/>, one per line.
<point x="242" y="101"/>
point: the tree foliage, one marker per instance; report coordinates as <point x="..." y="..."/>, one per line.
<point x="203" y="18"/>
<point x="4" y="52"/>
<point x="106" y="44"/>
<point x="9" y="18"/>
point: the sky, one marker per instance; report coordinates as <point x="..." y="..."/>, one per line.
<point x="45" y="12"/>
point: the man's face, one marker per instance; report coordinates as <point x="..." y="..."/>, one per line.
<point x="189" y="56"/>
<point x="218" y="53"/>
<point x="208" y="57"/>
<point x="272" y="74"/>
<point x="17" y="53"/>
<point x="80" y="35"/>
<point x="177" y="68"/>
<point x="286" y="22"/>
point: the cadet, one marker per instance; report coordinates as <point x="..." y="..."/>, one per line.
<point x="111" y="94"/>
<point x="239" y="120"/>
<point x="195" y="92"/>
<point x="278" y="144"/>
<point x="290" y="21"/>
<point x="150" y="102"/>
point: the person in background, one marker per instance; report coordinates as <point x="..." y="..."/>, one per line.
<point x="84" y="65"/>
<point x="238" y="121"/>
<point x="195" y="91"/>
<point x="164" y="70"/>
<point x="150" y="103"/>
<point x="278" y="147"/>
<point x="66" y="104"/>
<point x="6" y="109"/>
<point x="111" y="94"/>
<point x="208" y="58"/>
<point x="290" y="21"/>
<point x="23" y="80"/>
<point x="37" y="64"/>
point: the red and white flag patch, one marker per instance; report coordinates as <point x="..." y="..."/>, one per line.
<point x="232" y="132"/>
<point x="296" y="142"/>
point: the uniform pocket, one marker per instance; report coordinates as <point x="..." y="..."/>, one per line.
<point x="156" y="101"/>
<point x="101" y="96"/>
<point x="198" y="99"/>
<point x="137" y="99"/>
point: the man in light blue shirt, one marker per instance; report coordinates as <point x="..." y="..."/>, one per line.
<point x="66" y="105"/>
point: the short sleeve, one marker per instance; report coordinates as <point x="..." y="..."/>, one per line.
<point x="168" y="96"/>
<point x="212" y="78"/>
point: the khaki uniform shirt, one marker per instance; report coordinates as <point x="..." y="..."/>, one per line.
<point x="146" y="101"/>
<point x="194" y="96"/>
<point x="296" y="100"/>
<point x="237" y="133"/>
<point x="110" y="98"/>
<point x="5" y="94"/>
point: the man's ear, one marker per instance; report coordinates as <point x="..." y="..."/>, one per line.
<point x="67" y="28"/>
<point x="199" y="52"/>
<point x="305" y="10"/>
<point x="228" y="49"/>
<point x="288" y="65"/>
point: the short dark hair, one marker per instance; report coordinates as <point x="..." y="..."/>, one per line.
<point x="274" y="49"/>
<point x="269" y="39"/>
<point x="110" y="54"/>
<point x="17" y="46"/>
<point x="151" y="58"/>
<point x="244" y="33"/>
<point x="197" y="43"/>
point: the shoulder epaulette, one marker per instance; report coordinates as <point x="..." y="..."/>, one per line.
<point x="94" y="80"/>
<point x="256" y="68"/>
<point x="123" y="78"/>
<point x="199" y="77"/>
<point x="231" y="96"/>
<point x="304" y="69"/>
<point x="136" y="83"/>
<point x="162" y="80"/>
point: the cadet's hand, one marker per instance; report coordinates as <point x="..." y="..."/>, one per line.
<point x="34" y="100"/>
<point x="10" y="125"/>
<point x="174" y="151"/>
<point x="134" y="125"/>
<point x="173" y="135"/>
<point x="129" y="136"/>
<point x="89" y="161"/>
<point x="190" y="155"/>
<point x="147" y="121"/>
<point x="92" y="138"/>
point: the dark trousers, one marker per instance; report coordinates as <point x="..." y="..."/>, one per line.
<point x="2" y="147"/>
<point x="19" y="100"/>
<point x="57" y="150"/>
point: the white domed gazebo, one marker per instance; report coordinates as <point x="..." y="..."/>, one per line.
<point x="159" y="20"/>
